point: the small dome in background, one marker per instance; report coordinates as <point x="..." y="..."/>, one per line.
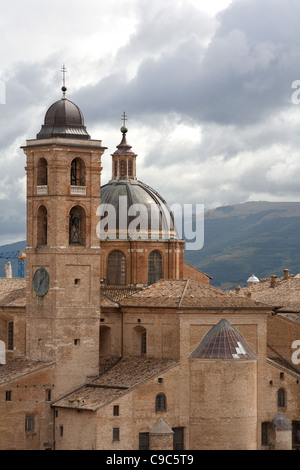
<point x="253" y="279"/>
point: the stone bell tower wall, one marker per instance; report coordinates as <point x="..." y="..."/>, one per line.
<point x="63" y="324"/>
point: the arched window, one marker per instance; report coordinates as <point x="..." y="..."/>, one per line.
<point x="42" y="177"/>
<point x="77" y="223"/>
<point x="116" y="268"/>
<point x="42" y="226"/>
<point x="77" y="172"/>
<point x="281" y="398"/>
<point x="130" y="168"/>
<point x="123" y="168"/>
<point x="139" y="340"/>
<point x="160" y="402"/>
<point x="154" y="267"/>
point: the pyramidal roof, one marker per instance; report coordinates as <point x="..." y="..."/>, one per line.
<point x="161" y="427"/>
<point x="281" y="423"/>
<point x="223" y="341"/>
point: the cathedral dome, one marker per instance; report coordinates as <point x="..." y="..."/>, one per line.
<point x="139" y="211"/>
<point x="133" y="209"/>
<point x="63" y="119"/>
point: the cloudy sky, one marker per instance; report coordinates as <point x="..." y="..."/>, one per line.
<point x="210" y="90"/>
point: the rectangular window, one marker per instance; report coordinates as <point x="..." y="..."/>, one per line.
<point x="143" y="343"/>
<point x="29" y="424"/>
<point x="265" y="429"/>
<point x="143" y="441"/>
<point x="48" y="395"/>
<point x="116" y="410"/>
<point x="116" y="434"/>
<point x="178" y="439"/>
<point x="10" y="336"/>
<point x="296" y="433"/>
<point x="61" y="431"/>
<point x="8" y="395"/>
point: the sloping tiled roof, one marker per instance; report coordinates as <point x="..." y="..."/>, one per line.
<point x="126" y="374"/>
<point x="20" y="366"/>
<point x="284" y="296"/>
<point x="223" y="341"/>
<point x="107" y="302"/>
<point x="12" y="292"/>
<point x="115" y="294"/>
<point x="187" y="293"/>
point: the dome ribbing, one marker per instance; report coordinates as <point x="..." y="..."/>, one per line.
<point x="63" y="119"/>
<point x="223" y="341"/>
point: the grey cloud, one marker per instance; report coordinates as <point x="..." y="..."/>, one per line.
<point x="234" y="87"/>
<point x="161" y="27"/>
<point x="235" y="80"/>
<point x="262" y="20"/>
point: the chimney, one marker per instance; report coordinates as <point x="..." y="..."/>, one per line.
<point x="286" y="274"/>
<point x="273" y="281"/>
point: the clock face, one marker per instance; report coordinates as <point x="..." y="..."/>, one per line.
<point x="41" y="282"/>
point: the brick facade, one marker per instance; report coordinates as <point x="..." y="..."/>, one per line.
<point x="125" y="377"/>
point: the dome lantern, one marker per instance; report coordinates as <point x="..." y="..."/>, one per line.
<point x="124" y="192"/>
<point x="124" y="159"/>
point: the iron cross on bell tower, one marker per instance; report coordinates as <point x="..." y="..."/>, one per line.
<point x="64" y="88"/>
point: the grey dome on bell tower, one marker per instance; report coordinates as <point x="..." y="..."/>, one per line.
<point x="63" y="119"/>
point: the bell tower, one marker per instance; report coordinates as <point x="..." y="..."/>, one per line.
<point x="63" y="250"/>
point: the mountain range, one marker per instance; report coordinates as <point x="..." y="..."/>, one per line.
<point x="260" y="238"/>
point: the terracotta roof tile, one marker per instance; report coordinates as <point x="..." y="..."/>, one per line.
<point x="106" y="302"/>
<point x="115" y="294"/>
<point x="285" y="296"/>
<point x="187" y="293"/>
<point x="127" y="373"/>
<point x="20" y="366"/>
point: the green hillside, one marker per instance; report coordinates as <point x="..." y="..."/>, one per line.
<point x="260" y="238"/>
